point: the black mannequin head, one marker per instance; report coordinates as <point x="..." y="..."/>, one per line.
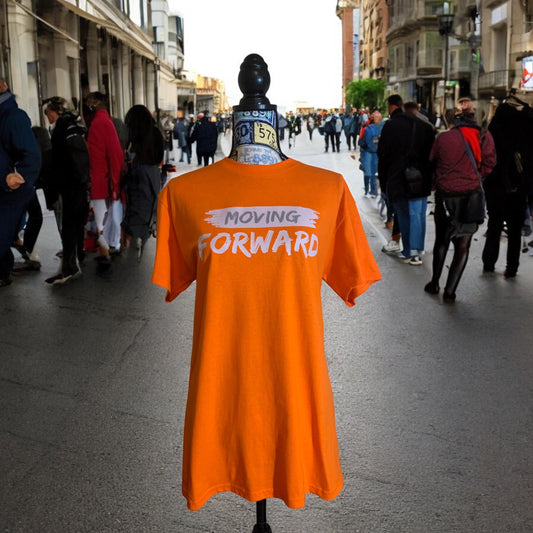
<point x="254" y="82"/>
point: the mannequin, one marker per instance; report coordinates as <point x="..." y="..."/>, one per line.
<point x="256" y="142"/>
<point x="259" y="233"/>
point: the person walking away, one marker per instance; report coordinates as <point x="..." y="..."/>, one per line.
<point x="456" y="179"/>
<point x="20" y="162"/>
<point x="406" y="142"/>
<point x="181" y="134"/>
<point x="205" y="134"/>
<point x="508" y="186"/>
<point x="310" y="124"/>
<point x="350" y="128"/>
<point x="106" y="164"/>
<point x="329" y="132"/>
<point x="145" y="154"/>
<point x="70" y="178"/>
<point x="338" y="131"/>
<point x="369" y="156"/>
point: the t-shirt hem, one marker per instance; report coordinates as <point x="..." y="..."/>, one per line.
<point x="171" y="293"/>
<point x="254" y="496"/>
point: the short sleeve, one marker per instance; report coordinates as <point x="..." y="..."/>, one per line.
<point x="170" y="268"/>
<point x="350" y="267"/>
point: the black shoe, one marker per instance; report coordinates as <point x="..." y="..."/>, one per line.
<point x="61" y="279"/>
<point x="28" y="264"/>
<point x="432" y="287"/>
<point x="509" y="273"/>
<point x="4" y="282"/>
<point x="487" y="268"/>
<point x="103" y="259"/>
<point x="448" y="297"/>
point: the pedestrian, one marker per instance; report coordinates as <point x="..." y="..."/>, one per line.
<point x="27" y="246"/>
<point x="181" y="135"/>
<point x="405" y="143"/>
<point x="329" y="132"/>
<point x="20" y="162"/>
<point x="70" y="178"/>
<point x="368" y="143"/>
<point x="205" y="134"/>
<point x="350" y="129"/>
<point x="508" y="186"/>
<point x="295" y="127"/>
<point x="462" y="156"/>
<point x="143" y="178"/>
<point x="106" y="166"/>
<point x="310" y="124"/>
<point x="338" y="131"/>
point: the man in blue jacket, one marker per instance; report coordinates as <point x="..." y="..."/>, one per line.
<point x="20" y="161"/>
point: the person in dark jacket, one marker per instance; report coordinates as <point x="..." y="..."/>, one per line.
<point x="34" y="214"/>
<point x="70" y="163"/>
<point x="20" y="162"/>
<point x="508" y="186"/>
<point x="456" y="179"/>
<point x="205" y="134"/>
<point x="406" y="141"/>
<point x="181" y="134"/>
<point x="351" y="129"/>
<point x="143" y="178"/>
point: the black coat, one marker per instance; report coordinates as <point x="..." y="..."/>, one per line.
<point x="512" y="131"/>
<point x="393" y="153"/>
<point x="205" y="133"/>
<point x="70" y="156"/>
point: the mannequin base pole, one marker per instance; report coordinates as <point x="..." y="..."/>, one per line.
<point x="261" y="526"/>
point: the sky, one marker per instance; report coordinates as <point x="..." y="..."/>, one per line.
<point x="300" y="40"/>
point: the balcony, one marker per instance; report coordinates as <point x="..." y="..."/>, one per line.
<point x="497" y="79"/>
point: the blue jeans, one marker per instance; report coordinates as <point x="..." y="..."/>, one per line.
<point x="412" y="220"/>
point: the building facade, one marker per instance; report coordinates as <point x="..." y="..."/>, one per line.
<point x="131" y="50"/>
<point x="434" y="52"/>
<point x="373" y="39"/>
<point x="348" y="12"/>
<point x="506" y="44"/>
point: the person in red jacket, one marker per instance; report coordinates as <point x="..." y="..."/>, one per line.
<point x="106" y="159"/>
<point x="455" y="180"/>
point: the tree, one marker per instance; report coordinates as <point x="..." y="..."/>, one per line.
<point x="369" y="93"/>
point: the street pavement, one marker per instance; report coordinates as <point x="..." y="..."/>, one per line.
<point x="434" y="401"/>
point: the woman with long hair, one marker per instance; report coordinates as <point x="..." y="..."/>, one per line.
<point x="143" y="179"/>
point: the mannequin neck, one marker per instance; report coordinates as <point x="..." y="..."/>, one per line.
<point x="255" y="138"/>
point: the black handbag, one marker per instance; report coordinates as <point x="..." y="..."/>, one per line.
<point x="474" y="208"/>
<point x="415" y="182"/>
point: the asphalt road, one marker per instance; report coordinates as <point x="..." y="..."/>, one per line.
<point x="434" y="402"/>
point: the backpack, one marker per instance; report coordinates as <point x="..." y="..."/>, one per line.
<point x="329" y="126"/>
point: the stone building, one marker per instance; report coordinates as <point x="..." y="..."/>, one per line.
<point x="131" y="50"/>
<point x="436" y="51"/>
<point x="348" y="12"/>
<point x="373" y="39"/>
<point x="506" y="41"/>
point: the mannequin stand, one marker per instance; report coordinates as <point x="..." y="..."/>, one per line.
<point x="261" y="526"/>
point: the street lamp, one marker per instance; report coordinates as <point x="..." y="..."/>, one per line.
<point x="445" y="29"/>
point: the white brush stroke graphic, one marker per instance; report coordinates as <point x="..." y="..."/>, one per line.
<point x="262" y="217"/>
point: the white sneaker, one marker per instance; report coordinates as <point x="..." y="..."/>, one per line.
<point x="415" y="260"/>
<point x="392" y="247"/>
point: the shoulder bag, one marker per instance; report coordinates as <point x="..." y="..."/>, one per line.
<point x="473" y="209"/>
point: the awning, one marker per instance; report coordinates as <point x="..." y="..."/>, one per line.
<point x="115" y="22"/>
<point x="45" y="22"/>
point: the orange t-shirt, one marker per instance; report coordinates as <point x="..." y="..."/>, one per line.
<point x="259" y="240"/>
